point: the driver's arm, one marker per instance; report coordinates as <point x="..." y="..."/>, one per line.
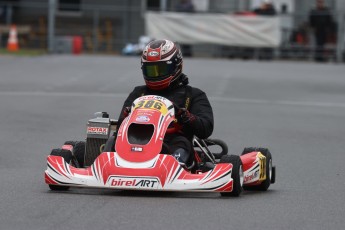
<point x="201" y="108"/>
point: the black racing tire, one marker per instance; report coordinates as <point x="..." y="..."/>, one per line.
<point x="269" y="173"/>
<point x="78" y="151"/>
<point x="236" y="174"/>
<point x="67" y="156"/>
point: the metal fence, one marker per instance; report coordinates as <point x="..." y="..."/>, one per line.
<point x="55" y="26"/>
<point x="52" y="26"/>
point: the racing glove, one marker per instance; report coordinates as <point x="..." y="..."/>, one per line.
<point x="185" y="117"/>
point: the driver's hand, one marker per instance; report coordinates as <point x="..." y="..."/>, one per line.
<point x="184" y="116"/>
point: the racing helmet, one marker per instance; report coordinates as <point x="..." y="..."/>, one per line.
<point x="161" y="63"/>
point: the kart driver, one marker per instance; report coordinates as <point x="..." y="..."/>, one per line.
<point x="161" y="65"/>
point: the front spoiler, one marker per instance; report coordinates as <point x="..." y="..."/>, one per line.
<point x="163" y="173"/>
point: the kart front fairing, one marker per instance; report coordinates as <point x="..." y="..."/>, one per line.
<point x="140" y="137"/>
<point x="138" y="162"/>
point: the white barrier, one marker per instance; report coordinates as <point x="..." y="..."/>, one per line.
<point x="221" y="29"/>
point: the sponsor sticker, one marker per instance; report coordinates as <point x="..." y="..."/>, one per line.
<point x="153" y="53"/>
<point x="142" y="119"/>
<point x="150" y="97"/>
<point x="97" y="130"/>
<point x="148" y="113"/>
<point x="252" y="177"/>
<point x="136" y="149"/>
<point x="134" y="182"/>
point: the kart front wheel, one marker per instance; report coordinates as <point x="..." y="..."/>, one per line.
<point x="78" y="151"/>
<point x="236" y="174"/>
<point x="270" y="170"/>
<point x="67" y="156"/>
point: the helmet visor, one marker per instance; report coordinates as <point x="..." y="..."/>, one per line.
<point x="157" y="69"/>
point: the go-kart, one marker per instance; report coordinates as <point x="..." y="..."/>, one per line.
<point x="141" y="162"/>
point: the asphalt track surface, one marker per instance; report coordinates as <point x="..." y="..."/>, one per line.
<point x="297" y="110"/>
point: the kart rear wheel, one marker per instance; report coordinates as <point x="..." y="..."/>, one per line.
<point x="236" y="174"/>
<point x="78" y="151"/>
<point x="270" y="174"/>
<point x="67" y="156"/>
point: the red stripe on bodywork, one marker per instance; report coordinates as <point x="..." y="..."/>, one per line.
<point x="219" y="170"/>
<point x="54" y="161"/>
<point x="227" y="187"/>
<point x="48" y="179"/>
<point x="248" y="160"/>
<point x="81" y="171"/>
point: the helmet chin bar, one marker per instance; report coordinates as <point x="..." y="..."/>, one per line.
<point x="159" y="85"/>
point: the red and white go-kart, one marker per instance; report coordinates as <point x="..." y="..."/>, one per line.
<point x="141" y="162"/>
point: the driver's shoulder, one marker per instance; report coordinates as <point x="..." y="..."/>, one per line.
<point x="139" y="87"/>
<point x="139" y="90"/>
<point x="196" y="91"/>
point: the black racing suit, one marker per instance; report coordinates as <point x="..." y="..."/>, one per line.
<point x="199" y="106"/>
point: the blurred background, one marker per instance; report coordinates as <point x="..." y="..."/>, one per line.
<point x="278" y="29"/>
<point x="294" y="105"/>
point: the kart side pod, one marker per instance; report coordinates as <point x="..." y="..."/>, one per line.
<point x="97" y="133"/>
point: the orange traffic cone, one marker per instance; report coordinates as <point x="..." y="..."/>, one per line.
<point x="12" y="43"/>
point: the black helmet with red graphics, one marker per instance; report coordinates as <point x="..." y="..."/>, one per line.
<point x="161" y="63"/>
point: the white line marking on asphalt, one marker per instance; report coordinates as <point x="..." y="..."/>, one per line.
<point x="212" y="98"/>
